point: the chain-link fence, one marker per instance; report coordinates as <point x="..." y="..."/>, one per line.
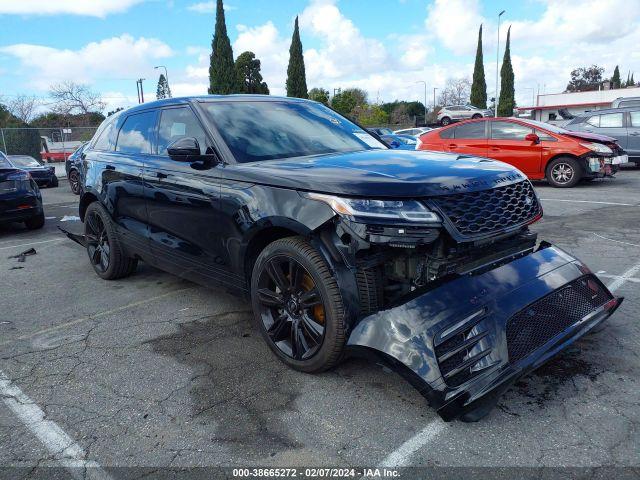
<point x="53" y="144"/>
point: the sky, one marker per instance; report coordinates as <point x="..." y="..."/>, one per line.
<point x="387" y="47"/>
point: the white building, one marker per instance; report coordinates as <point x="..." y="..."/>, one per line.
<point x="547" y="106"/>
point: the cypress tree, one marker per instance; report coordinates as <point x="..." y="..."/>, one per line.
<point x="615" y="80"/>
<point x="222" y="74"/>
<point x="296" y="76"/>
<point x="163" y="90"/>
<point x="631" y="82"/>
<point x="479" y="86"/>
<point x="507" y="91"/>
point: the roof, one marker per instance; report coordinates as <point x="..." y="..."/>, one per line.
<point x="571" y="105"/>
<point x="209" y="98"/>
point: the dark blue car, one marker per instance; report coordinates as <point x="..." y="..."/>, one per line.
<point x="20" y="199"/>
<point x="44" y="175"/>
<point x="73" y="167"/>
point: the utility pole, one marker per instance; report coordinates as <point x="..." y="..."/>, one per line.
<point x="495" y="114"/>
<point x="140" y="90"/>
<point x="425" y="99"/>
<point x="434" y="97"/>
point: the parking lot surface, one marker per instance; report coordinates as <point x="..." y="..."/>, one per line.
<point x="152" y="371"/>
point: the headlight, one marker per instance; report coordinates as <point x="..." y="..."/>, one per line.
<point x="597" y="147"/>
<point x="407" y="210"/>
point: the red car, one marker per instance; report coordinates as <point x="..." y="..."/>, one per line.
<point x="539" y="150"/>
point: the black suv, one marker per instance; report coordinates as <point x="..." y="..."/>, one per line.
<point x="421" y="259"/>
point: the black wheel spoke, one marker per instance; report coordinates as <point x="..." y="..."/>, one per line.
<point x="279" y="330"/>
<point x="92" y="223"/>
<point x="295" y="275"/>
<point x="94" y="254"/>
<point x="310" y="299"/>
<point x="270" y="298"/>
<point x="299" y="345"/>
<point x="275" y="272"/>
<point x="312" y="328"/>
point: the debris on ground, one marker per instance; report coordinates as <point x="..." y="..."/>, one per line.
<point x="15" y="268"/>
<point x="70" y="218"/>
<point x="22" y="256"/>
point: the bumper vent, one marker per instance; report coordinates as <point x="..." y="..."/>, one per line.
<point x="476" y="214"/>
<point x="538" y="323"/>
<point x="459" y="355"/>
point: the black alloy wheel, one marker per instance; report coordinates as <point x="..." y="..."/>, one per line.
<point x="98" y="246"/>
<point x="74" y="181"/>
<point x="297" y="305"/>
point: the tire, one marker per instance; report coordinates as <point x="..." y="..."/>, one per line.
<point x="53" y="183"/>
<point x="444" y="121"/>
<point x="564" y="172"/>
<point x="278" y="294"/>
<point x="476" y="115"/>
<point x="35" y="223"/>
<point x="105" y="252"/>
<point x="74" y="181"/>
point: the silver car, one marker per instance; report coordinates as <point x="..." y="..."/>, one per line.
<point x="623" y="124"/>
<point x="414" y="132"/>
<point x="452" y="113"/>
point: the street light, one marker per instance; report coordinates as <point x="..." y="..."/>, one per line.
<point x="434" y="97"/>
<point x="166" y="75"/>
<point x="495" y="114"/>
<point x="425" y="99"/>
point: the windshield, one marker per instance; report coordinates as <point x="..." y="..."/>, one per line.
<point x="257" y="131"/>
<point x="24" y="161"/>
<point x="546" y="126"/>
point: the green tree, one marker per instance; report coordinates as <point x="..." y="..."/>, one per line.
<point x="296" y="76"/>
<point x="248" y="74"/>
<point x="19" y="141"/>
<point x="371" y="115"/>
<point x="507" y="90"/>
<point x="346" y="101"/>
<point x="319" y="95"/>
<point x="584" y="79"/>
<point x="615" y="80"/>
<point x="479" y="86"/>
<point x="163" y="90"/>
<point x="631" y="83"/>
<point x="222" y="73"/>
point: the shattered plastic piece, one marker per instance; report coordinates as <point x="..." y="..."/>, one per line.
<point x="70" y="218"/>
<point x="21" y="256"/>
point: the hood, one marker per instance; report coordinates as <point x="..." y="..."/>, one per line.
<point x="379" y="173"/>
<point x="592" y="137"/>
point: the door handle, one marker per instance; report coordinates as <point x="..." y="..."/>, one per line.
<point x="161" y="175"/>
<point x="453" y="146"/>
<point x="110" y="167"/>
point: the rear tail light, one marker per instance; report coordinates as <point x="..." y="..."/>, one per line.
<point x="19" y="176"/>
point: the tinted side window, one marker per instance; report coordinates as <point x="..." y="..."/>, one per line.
<point x="611" y="120"/>
<point x="470" y="130"/>
<point x="635" y="118"/>
<point x="448" y="133"/>
<point x="545" y="137"/>
<point x="176" y="123"/>
<point x="136" y="134"/>
<point x="594" y="121"/>
<point x="104" y="141"/>
<point x="509" y="131"/>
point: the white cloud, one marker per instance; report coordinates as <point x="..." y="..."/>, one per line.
<point x="120" y="57"/>
<point x="455" y="24"/>
<point x="208" y="7"/>
<point x="93" y="8"/>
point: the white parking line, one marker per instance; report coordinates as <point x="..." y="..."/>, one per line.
<point x="401" y="456"/>
<point x="616" y="241"/>
<point x="587" y="201"/>
<point x="33" y="243"/>
<point x="57" y="442"/>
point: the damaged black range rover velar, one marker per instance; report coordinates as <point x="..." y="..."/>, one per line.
<point x="421" y="259"/>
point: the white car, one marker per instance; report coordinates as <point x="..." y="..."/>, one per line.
<point x="414" y="132"/>
<point x="451" y="113"/>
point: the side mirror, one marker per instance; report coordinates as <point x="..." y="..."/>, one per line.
<point x="532" y="137"/>
<point x="184" y="149"/>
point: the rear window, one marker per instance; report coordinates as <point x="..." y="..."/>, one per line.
<point x="446" y="133"/>
<point x="104" y="142"/>
<point x="470" y="130"/>
<point x="509" y="131"/>
<point x="136" y="134"/>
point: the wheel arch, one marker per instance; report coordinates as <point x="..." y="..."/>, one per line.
<point x="562" y="155"/>
<point x="85" y="200"/>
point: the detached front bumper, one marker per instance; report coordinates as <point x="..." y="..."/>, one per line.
<point x="462" y="343"/>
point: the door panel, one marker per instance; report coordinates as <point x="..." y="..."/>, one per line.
<point x="507" y="144"/>
<point x="633" y="134"/>
<point x="468" y="139"/>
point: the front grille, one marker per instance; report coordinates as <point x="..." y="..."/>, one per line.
<point x="538" y="323"/>
<point x="476" y="214"/>
<point x="459" y="354"/>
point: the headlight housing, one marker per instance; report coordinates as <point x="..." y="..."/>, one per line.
<point x="376" y="209"/>
<point x="598" y="148"/>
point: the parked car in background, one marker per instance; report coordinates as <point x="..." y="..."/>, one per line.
<point x="538" y="149"/>
<point x="73" y="167"/>
<point x="453" y="113"/>
<point x="44" y="175"/>
<point x="422" y="260"/>
<point x="414" y="132"/>
<point x="380" y="131"/>
<point x="20" y="198"/>
<point x="623" y="124"/>
<point x="621" y="102"/>
<point x="403" y="142"/>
